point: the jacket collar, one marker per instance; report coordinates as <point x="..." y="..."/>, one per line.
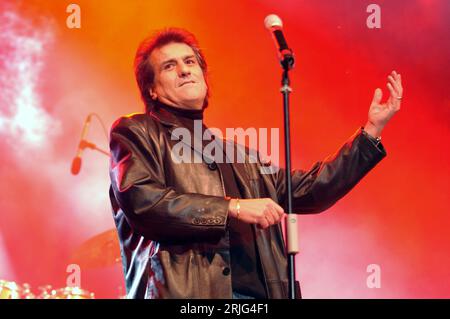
<point x="165" y="117"/>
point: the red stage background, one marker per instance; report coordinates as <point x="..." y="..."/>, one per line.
<point x="51" y="77"/>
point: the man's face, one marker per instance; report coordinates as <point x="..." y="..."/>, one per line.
<point x="179" y="79"/>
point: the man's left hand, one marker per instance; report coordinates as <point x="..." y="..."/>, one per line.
<point x="381" y="113"/>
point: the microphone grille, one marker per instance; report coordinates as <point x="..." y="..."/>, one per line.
<point x="76" y="165"/>
<point x="272" y="20"/>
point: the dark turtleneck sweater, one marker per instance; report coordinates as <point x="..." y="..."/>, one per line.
<point x="246" y="273"/>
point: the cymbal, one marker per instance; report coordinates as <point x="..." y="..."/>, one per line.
<point x="102" y="250"/>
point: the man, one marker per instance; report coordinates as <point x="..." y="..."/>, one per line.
<point x="212" y="230"/>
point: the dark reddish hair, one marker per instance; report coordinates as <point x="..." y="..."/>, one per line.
<point x="143" y="70"/>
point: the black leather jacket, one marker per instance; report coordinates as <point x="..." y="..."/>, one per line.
<point x="172" y="218"/>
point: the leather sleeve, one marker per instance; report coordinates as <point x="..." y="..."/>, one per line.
<point x="329" y="180"/>
<point x="151" y="208"/>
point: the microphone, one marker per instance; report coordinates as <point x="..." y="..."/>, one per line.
<point x="274" y="24"/>
<point x="76" y="163"/>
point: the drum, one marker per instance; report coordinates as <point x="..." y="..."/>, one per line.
<point x="46" y="292"/>
<point x="26" y="292"/>
<point x="70" y="293"/>
<point x="11" y="290"/>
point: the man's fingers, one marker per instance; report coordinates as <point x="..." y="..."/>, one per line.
<point x="393" y="102"/>
<point x="391" y="90"/>
<point x="263" y="223"/>
<point x="394" y="75"/>
<point x="397" y="76"/>
<point x="279" y="214"/>
<point x="377" y="96"/>
<point x="269" y="215"/>
<point x="278" y="208"/>
<point x="396" y="85"/>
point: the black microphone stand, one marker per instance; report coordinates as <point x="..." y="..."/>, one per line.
<point x="287" y="63"/>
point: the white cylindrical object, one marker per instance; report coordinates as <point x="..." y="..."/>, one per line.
<point x="292" y="234"/>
